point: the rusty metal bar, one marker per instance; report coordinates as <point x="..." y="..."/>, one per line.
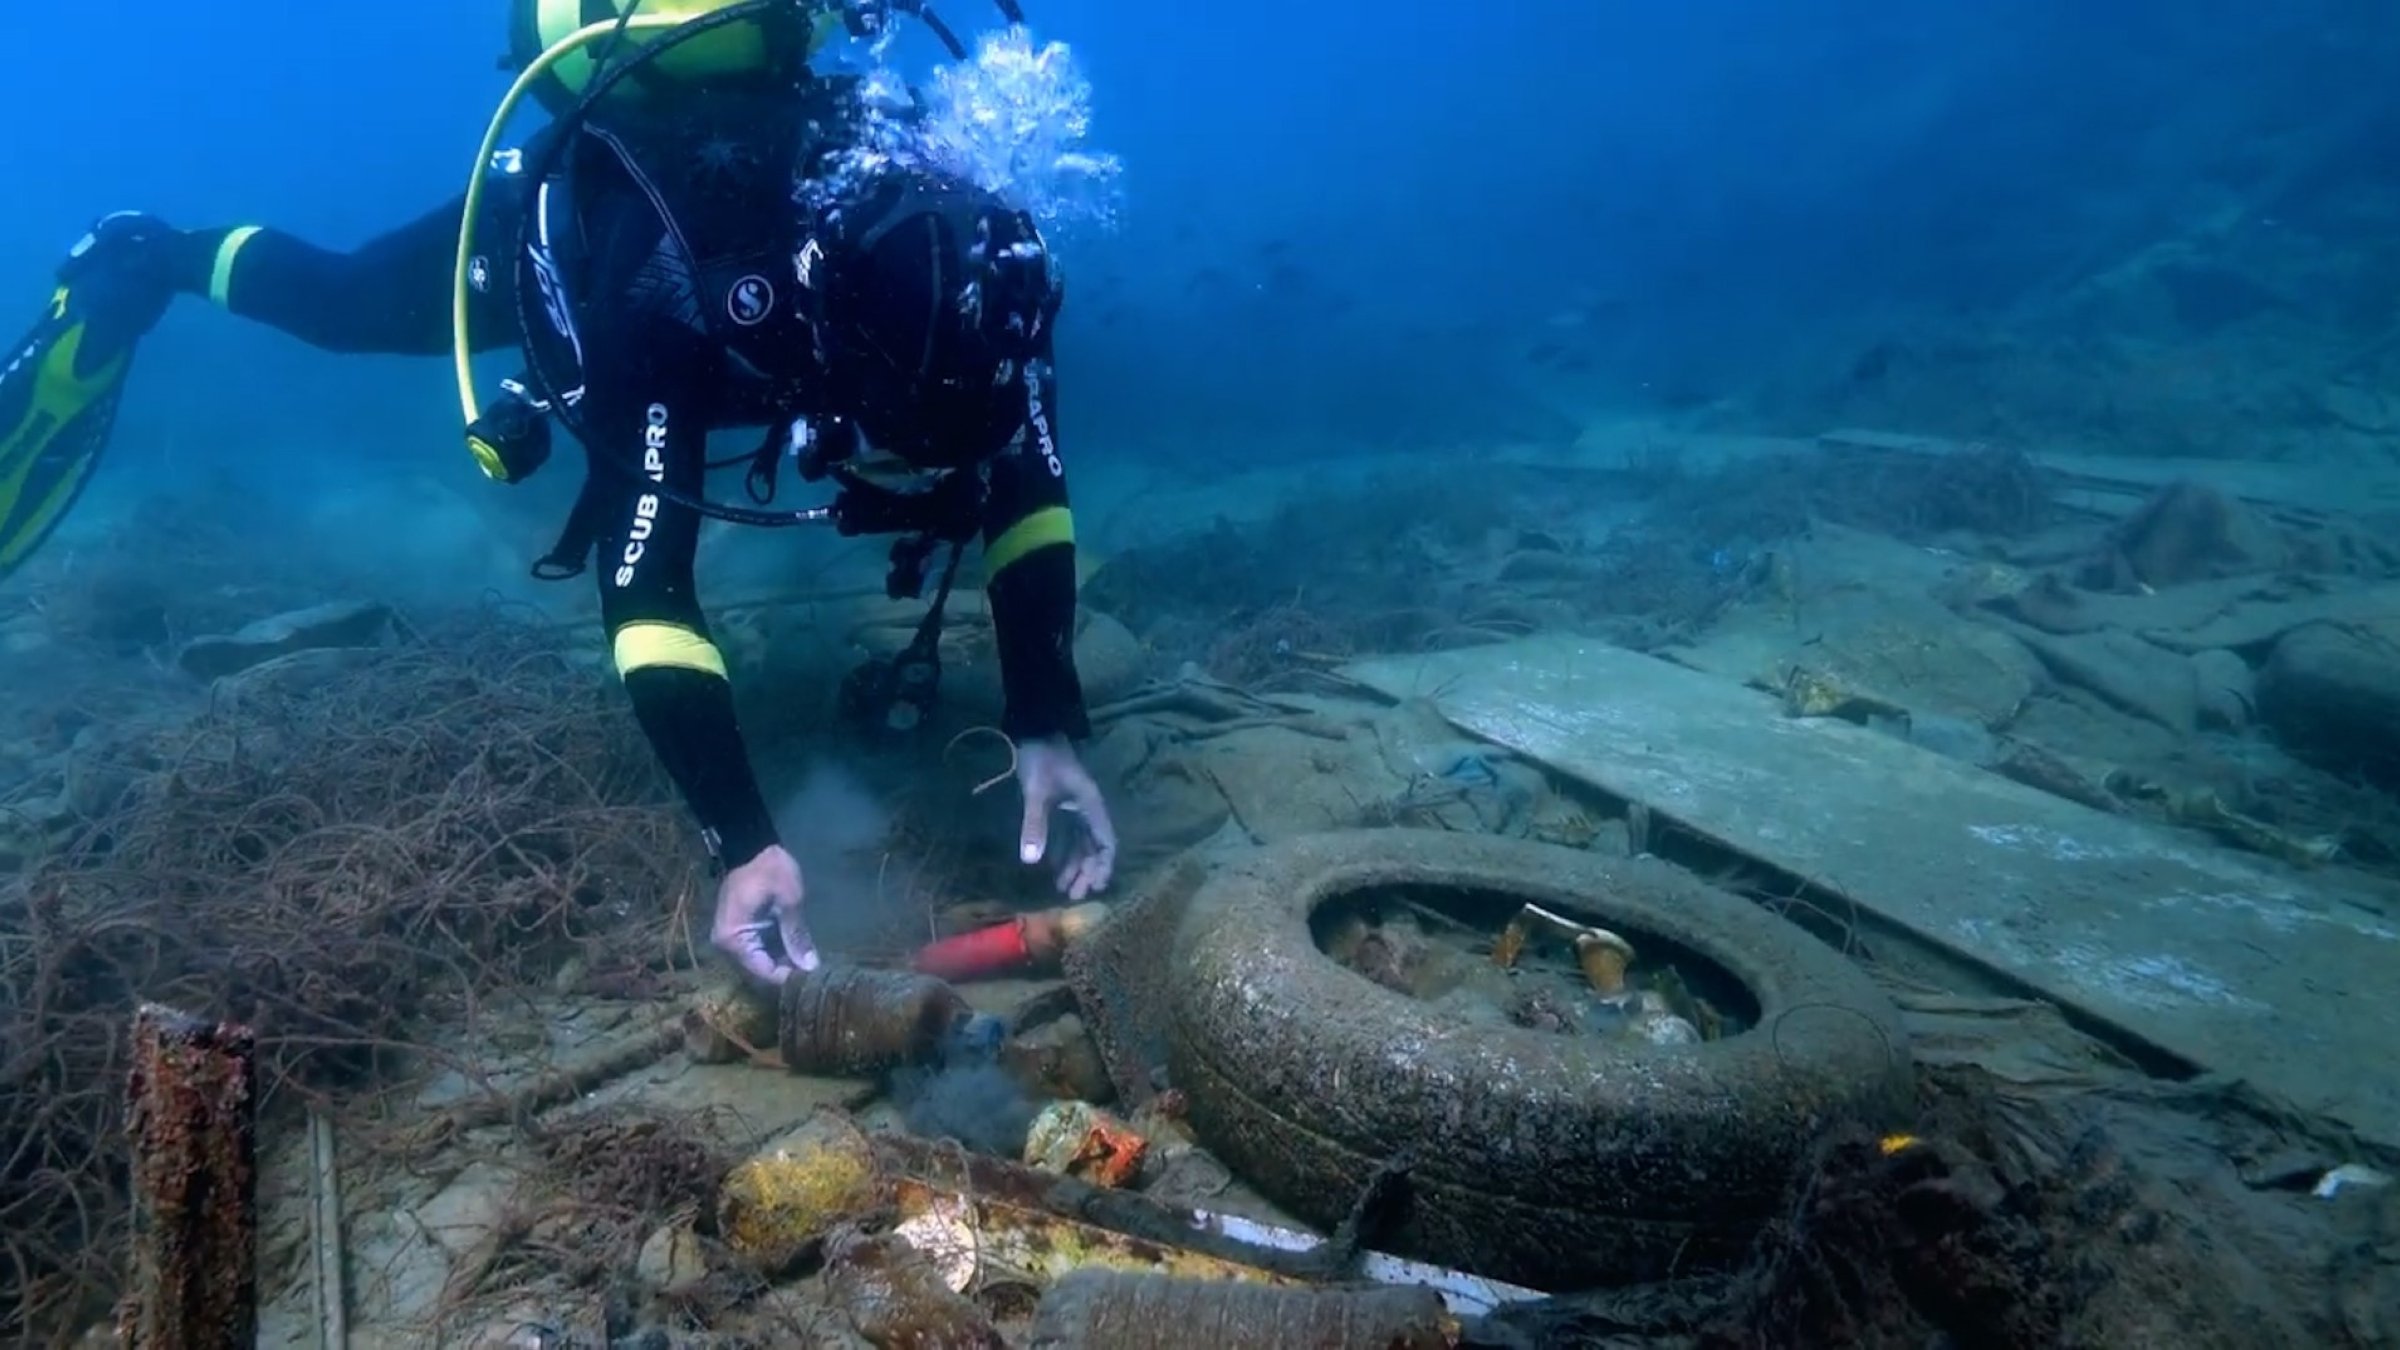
<point x="192" y="1121"/>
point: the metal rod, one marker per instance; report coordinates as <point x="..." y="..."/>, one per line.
<point x="333" y="1302"/>
<point x="192" y="1121"/>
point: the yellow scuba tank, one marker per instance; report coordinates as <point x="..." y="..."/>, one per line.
<point x="774" y="46"/>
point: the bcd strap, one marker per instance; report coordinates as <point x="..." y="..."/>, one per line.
<point x="926" y="646"/>
<point x="573" y="551"/>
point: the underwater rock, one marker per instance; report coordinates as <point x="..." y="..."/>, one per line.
<point x="23" y="636"/>
<point x="2049" y="604"/>
<point x="2185" y="532"/>
<point x="340" y="624"/>
<point x="1950" y="737"/>
<point x="671" y="1261"/>
<point x="2228" y="689"/>
<point x="2332" y="693"/>
<point x="2130" y="674"/>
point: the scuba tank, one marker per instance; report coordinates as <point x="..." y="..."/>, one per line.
<point x="771" y="46"/>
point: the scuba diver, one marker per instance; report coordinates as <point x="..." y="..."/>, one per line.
<point x="694" y="242"/>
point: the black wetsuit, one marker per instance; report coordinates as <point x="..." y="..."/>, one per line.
<point x="666" y="316"/>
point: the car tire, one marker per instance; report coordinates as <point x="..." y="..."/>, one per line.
<point x="1553" y="1161"/>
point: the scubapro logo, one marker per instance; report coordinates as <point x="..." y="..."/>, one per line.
<point x="1037" y="420"/>
<point x="645" y="506"/>
<point x="750" y="301"/>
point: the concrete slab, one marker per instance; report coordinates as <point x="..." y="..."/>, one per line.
<point x="2239" y="967"/>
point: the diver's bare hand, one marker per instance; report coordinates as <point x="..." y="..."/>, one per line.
<point x="1051" y="775"/>
<point x="758" y="920"/>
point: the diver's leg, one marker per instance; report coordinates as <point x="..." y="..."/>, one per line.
<point x="389" y="296"/>
<point x="61" y="382"/>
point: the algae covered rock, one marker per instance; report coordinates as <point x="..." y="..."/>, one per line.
<point x="343" y="624"/>
<point x="2331" y="692"/>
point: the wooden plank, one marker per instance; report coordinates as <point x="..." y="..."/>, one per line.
<point x="2238" y="966"/>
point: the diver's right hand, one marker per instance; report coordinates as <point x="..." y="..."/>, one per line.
<point x="125" y="271"/>
<point x="758" y="920"/>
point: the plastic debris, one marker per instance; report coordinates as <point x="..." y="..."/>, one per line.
<point x="1603" y="955"/>
<point x="1080" y="1140"/>
<point x="1655" y="1021"/>
<point x="971" y="1239"/>
<point x="895" y="1297"/>
<point x="851" y="1022"/>
<point x="1464" y="1294"/>
<point x="342" y="623"/>
<point x="2346" y="1176"/>
<point x="1028" y="942"/>
<point x="999" y="1224"/>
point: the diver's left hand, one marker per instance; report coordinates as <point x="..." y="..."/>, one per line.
<point x="1052" y="776"/>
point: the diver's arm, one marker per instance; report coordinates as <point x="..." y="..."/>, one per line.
<point x="1029" y="576"/>
<point x="672" y="670"/>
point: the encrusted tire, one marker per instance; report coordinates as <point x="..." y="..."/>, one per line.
<point x="1558" y="1162"/>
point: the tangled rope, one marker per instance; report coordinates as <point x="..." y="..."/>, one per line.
<point x="346" y="851"/>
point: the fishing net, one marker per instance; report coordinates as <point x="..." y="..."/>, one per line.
<point x="347" y="851"/>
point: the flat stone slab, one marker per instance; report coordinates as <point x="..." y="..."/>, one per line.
<point x="2240" y="967"/>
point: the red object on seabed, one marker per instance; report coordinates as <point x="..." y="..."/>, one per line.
<point x="1027" y="940"/>
<point x="984" y="952"/>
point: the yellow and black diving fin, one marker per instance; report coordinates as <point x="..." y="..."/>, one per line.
<point x="59" y="389"/>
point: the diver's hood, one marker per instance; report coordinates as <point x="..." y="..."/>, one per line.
<point x="932" y="299"/>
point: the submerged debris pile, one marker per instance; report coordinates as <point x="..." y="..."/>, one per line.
<point x="347" y="844"/>
<point x="1390" y="565"/>
<point x="1412" y="947"/>
<point x="1973" y="489"/>
<point x="2010" y="1215"/>
<point x="2020" y="1217"/>
<point x="2014" y="1216"/>
<point x="613" y="1198"/>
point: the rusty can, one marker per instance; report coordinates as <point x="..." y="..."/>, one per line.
<point x="774" y="1208"/>
<point x="730" y="1020"/>
<point x="895" y="1297"/>
<point x="851" y="1022"/>
<point x="1080" y="1140"/>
